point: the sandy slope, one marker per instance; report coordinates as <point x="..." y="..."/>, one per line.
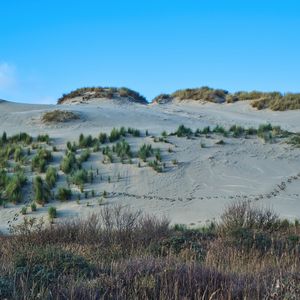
<point x="205" y="180"/>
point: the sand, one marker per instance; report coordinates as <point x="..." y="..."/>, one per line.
<point x="194" y="191"/>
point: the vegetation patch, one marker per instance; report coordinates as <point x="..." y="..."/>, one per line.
<point x="59" y="116"/>
<point x="88" y="93"/>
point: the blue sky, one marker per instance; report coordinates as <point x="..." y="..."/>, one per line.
<point x="153" y="46"/>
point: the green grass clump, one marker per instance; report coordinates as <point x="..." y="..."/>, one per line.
<point x="69" y="163"/>
<point x="43" y="138"/>
<point x="84" y="156"/>
<point x="134" y="132"/>
<point x="183" y="131"/>
<point x="237" y="131"/>
<point x="145" y="151"/>
<point x="52" y="213"/>
<point x="115" y="135"/>
<point x="86" y="141"/>
<point x="79" y="177"/>
<point x="123" y="150"/>
<point x="40" y="160"/>
<point x="102" y="138"/>
<point x="155" y="165"/>
<point x="41" y="191"/>
<point x="13" y="189"/>
<point x="51" y="176"/>
<point x="64" y="194"/>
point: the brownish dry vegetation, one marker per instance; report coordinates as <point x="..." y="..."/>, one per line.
<point x="59" y="116"/>
<point x="103" y="92"/>
<point x="120" y="254"/>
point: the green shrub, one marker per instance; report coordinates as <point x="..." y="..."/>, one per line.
<point x="114" y="135"/>
<point x="79" y="177"/>
<point x="33" y="207"/>
<point x="41" y="191"/>
<point x="69" y="163"/>
<point x="102" y="138"/>
<point x="51" y="176"/>
<point x="52" y="212"/>
<point x="40" y="160"/>
<point x="14" y="186"/>
<point x="183" y="131"/>
<point x="145" y="151"/>
<point x="84" y="156"/>
<point x="44" y="138"/>
<point x="64" y="194"/>
<point x="123" y="150"/>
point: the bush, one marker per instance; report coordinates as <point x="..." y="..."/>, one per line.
<point x="13" y="189"/>
<point x="114" y="135"/>
<point x="145" y="151"/>
<point x="123" y="150"/>
<point x="44" y="138"/>
<point x="69" y="163"/>
<point x="42" y="266"/>
<point x="40" y="160"/>
<point x="183" y="131"/>
<point x="51" y="176"/>
<point x="52" y="212"/>
<point x="241" y="214"/>
<point x="59" y="116"/>
<point x="79" y="177"/>
<point x="33" y="207"/>
<point x="84" y="156"/>
<point x="64" y="194"/>
<point x="102" y="138"/>
<point x="41" y="191"/>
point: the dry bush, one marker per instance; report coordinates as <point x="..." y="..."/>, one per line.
<point x="122" y="254"/>
<point x="103" y="92"/>
<point x="59" y="116"/>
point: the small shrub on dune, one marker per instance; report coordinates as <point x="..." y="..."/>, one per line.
<point x="51" y="176"/>
<point x="114" y="135"/>
<point x="84" y="156"/>
<point x="41" y="191"/>
<point x="79" y="177"/>
<point x="102" y="138"/>
<point x="183" y="131"/>
<point x="59" y="116"/>
<point x="43" y="138"/>
<point x="145" y="151"/>
<point x="64" y="194"/>
<point x="52" y="213"/>
<point x="13" y="189"/>
<point x="123" y="150"/>
<point x="69" y="163"/>
<point x="40" y="160"/>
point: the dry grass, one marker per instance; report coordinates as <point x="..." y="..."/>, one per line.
<point x="103" y="92"/>
<point x="59" y="116"/>
<point x="121" y="254"/>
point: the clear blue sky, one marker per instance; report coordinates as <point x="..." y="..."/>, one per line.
<point x="152" y="46"/>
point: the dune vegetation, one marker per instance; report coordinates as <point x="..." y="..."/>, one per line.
<point x="59" y="116"/>
<point x="261" y="100"/>
<point x="121" y="254"/>
<point x="87" y="93"/>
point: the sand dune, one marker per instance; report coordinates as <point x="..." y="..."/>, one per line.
<point x="193" y="191"/>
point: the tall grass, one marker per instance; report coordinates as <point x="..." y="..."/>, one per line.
<point x="121" y="254"/>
